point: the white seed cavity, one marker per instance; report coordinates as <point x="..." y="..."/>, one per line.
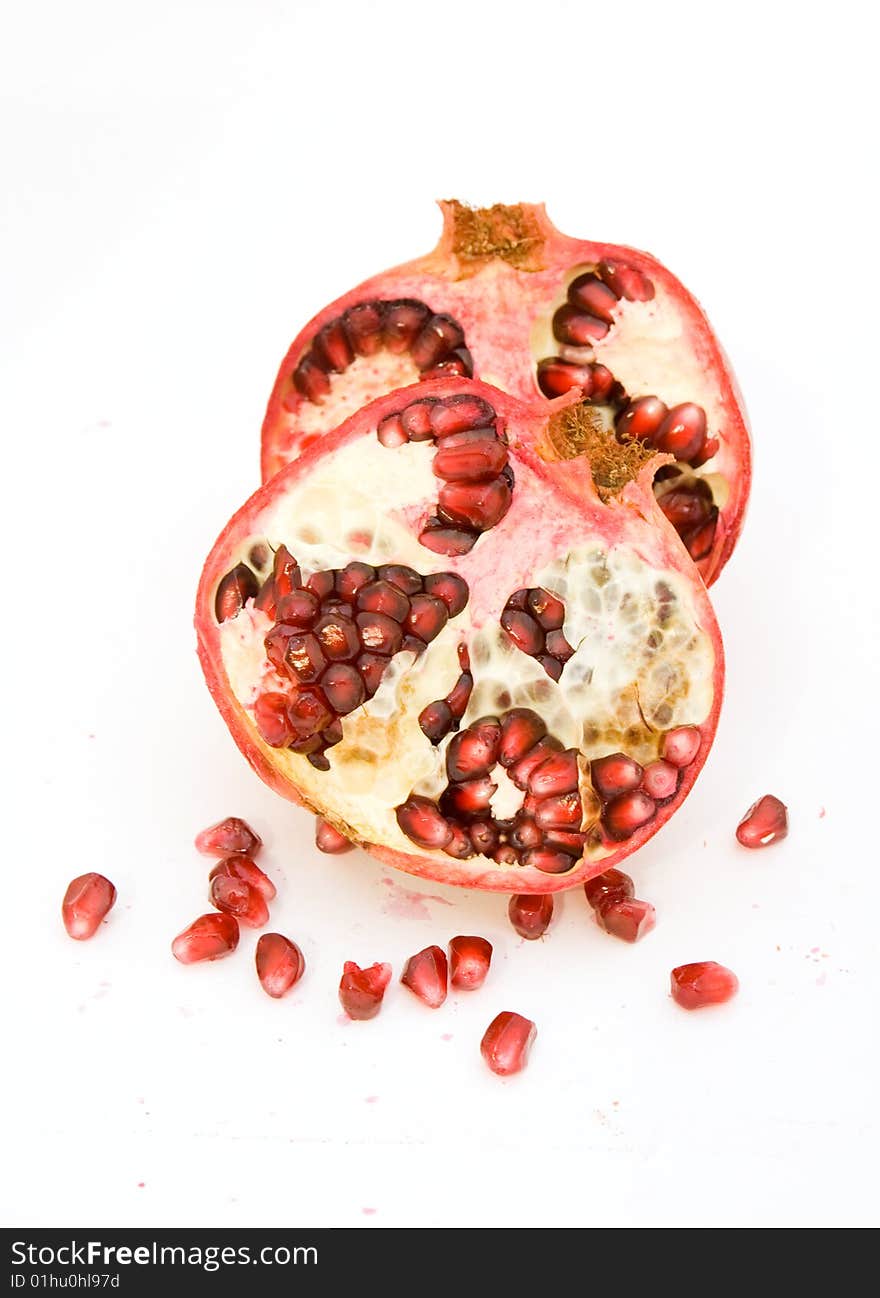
<point x="367" y="378"/>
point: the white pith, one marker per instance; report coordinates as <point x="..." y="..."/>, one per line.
<point x="365" y="379"/>
<point x="617" y="692"/>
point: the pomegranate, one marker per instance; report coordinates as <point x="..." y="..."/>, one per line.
<point x="378" y="678"/>
<point x="210" y="937"/>
<point x="507" y="1041"/>
<point x="507" y="298"/>
<point x="531" y="914"/>
<point x="426" y="974"/>
<point x="232" y="834"/>
<point x="469" y="960"/>
<point x="765" y="822"/>
<point x="626" y="917"/>
<point x="361" y="991"/>
<point x="87" y="902"/>
<point x="280" y="964"/>
<point x="704" y="983"/>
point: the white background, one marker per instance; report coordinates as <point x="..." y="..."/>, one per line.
<point x="183" y="185"/>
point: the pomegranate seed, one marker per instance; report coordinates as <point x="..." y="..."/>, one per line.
<point x="641" y="419"/>
<point x="285" y="572"/>
<point x="304" y="658"/>
<point x="605" y="386"/>
<point x="626" y="281"/>
<point x="711" y="447"/>
<point x="391" y="432"/>
<point x="588" y="293"/>
<point x="523" y="630"/>
<point x="470" y="457"/>
<point x="363" y="325"/>
<point x="577" y="328"/>
<point x="484" y="837"/>
<point x="628" y="918"/>
<point x="383" y="597"/>
<point x="519" y="599"/>
<point x="361" y="990"/>
<point x="521" y="728"/>
<point x="425" y="974"/>
<point x="561" y="812"/>
<point x="506" y="1043"/>
<point x="372" y="669"/>
<point x="571" y="841"/>
<point x="471" y="798"/>
<point x="680" y="746"/>
<point x="379" y="634"/>
<point x="275" y="645"/>
<point x="88" y="899"/>
<point x="332" y="347"/>
<point x="308" y="713"/>
<point x="547" y="610"/>
<point x="459" y="696"/>
<point x="399" y="575"/>
<point x="352" y="578"/>
<point x="447" y="540"/>
<point x="265" y="600"/>
<point x="311" y="379"/>
<point x="480" y="505"/>
<point x="699" y="540"/>
<point x="615" y="774"/>
<point x="228" y="836"/>
<point x="556" y="774"/>
<point x="703" y="983"/>
<point x="402" y="323"/>
<point x="344" y="687"/>
<point x="682" y="432"/>
<point x="438" y="336"/>
<point x="660" y="780"/>
<point x="469" y="960"/>
<point x="210" y="937"/>
<point x="426" y="618"/>
<point x="628" y="813"/>
<point x="473" y="752"/>
<point x="235" y="589"/>
<point x="459" y="846"/>
<point x="338" y="637"/>
<point x="548" y="860"/>
<point x="685" y="506"/>
<point x="435" y="720"/>
<point x="520" y="771"/>
<point x="236" y="897"/>
<point x="459" y="363"/>
<point x="613" y="885"/>
<point x="299" y="608"/>
<point x="329" y="839"/>
<point x="270" y="718"/>
<point x="526" y="833"/>
<point x="458" y="414"/>
<point x="322" y="584"/>
<point x="452" y="589"/>
<point x="505" y="854"/>
<point x="415" y="420"/>
<point x="423" y="823"/>
<point x="530" y="914"/>
<point x="556" y="377"/>
<point x="280" y="964"/>
<point x="558" y="647"/>
<point x="242" y="867"/>
<point x="765" y="822"/>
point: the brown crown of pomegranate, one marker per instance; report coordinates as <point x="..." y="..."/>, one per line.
<point x="506" y="297"/>
<point x="486" y="667"/>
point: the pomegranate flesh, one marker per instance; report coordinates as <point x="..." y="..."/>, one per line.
<point x="469" y="960"/>
<point x="229" y="836"/>
<point x="280" y="964"/>
<point x="210" y="937"/>
<point x="765" y="822"/>
<point x="87" y="902"/>
<point x="530" y="914"/>
<point x="506" y="1043"/>
<point x="361" y="991"/>
<point x="426" y="976"/>
<point x="704" y="983"/>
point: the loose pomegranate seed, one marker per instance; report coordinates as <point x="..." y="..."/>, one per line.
<point x="270" y="717"/>
<point x="449" y="587"/>
<point x="236" y="897"/>
<point x="480" y="505"/>
<point x="530" y="914"/>
<point x="425" y="974"/>
<point x="332" y="348"/>
<point x="680" y="746"/>
<point x="361" y="990"/>
<point x="506" y="1043"/>
<point x="703" y="983"/>
<point x="405" y="579"/>
<point x="641" y="419"/>
<point x="329" y="839"/>
<point x="441" y="539"/>
<point x="557" y="774"/>
<point x="660" y="780"/>
<point x="523" y="630"/>
<point x="235" y="589"/>
<point x="210" y="937"/>
<point x="242" y="867"/>
<point x="228" y="836"/>
<point x="625" y="281"/>
<point x="615" y="774"/>
<point x="682" y="432"/>
<point x="577" y="328"/>
<point x="88" y="899"/>
<point x="628" y="919"/>
<point x="629" y="812"/>
<point x="588" y="293"/>
<point x="421" y="821"/>
<point x="611" y="886"/>
<point x="765" y="822"/>
<point x="469" y="960"/>
<point x="521" y="729"/>
<point x="280" y="964"/>
<point x="473" y="752"/>
<point x="470" y="457"/>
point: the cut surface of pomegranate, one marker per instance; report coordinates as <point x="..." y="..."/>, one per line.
<point x="506" y="298"/>
<point x="231" y="835"/>
<point x="280" y="964"/>
<point x="514" y="703"/>
<point x="765" y="822"/>
<point x="361" y="991"/>
<point x="506" y="1043"/>
<point x="703" y="983"/>
<point x="87" y="902"/>
<point x="210" y="937"/>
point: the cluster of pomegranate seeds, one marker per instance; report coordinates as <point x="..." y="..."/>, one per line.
<point x="533" y="619"/>
<point x="437" y="719"/>
<point x="426" y="975"/>
<point x="704" y="983"/>
<point x="531" y="913"/>
<point x="227" y="837"/>
<point x="329" y="839"/>
<point x="332" y="639"/>
<point x="361" y="991"/>
<point x="506" y="1043"/>
<point x="765" y="822"/>
<point x="280" y="964"/>
<point x="471" y="461"/>
<point x="435" y="342"/>
<point x="210" y="937"/>
<point x="618" y="911"/>
<point x="630" y="793"/>
<point x="469" y="960"/>
<point x="87" y="902"/>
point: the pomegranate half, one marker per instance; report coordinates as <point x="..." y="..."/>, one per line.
<point x="505" y="297"/>
<point x="465" y="656"/>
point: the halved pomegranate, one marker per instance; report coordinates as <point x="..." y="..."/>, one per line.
<point x="375" y="675"/>
<point x="506" y="297"/>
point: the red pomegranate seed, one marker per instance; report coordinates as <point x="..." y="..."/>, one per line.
<point x="280" y="964"/>
<point x="530" y="914"/>
<point x="469" y="960"/>
<point x="285" y="572"/>
<point x="627" y="918"/>
<point x="451" y="541"/>
<point x="344" y="687"/>
<point x="425" y="974"/>
<point x="399" y="575"/>
<point x="423" y="823"/>
<point x="577" y="328"/>
<point x="415" y="420"/>
<point x="699" y="540"/>
<point x="228" y="836"/>
<point x="379" y="634"/>
<point x="304" y="658"/>
<point x="449" y="587"/>
<point x="329" y="839"/>
<point x="480" y="505"/>
<point x="299" y="608"/>
<point x="322" y="584"/>
<point x="680" y="746"/>
<point x="265" y="600"/>
<point x="521" y="728"/>
<point x="311" y="379"/>
<point x="391" y="432"/>
<point x="473" y="752"/>
<point x="438" y="336"/>
<point x="615" y="774"/>
<point x="705" y="983"/>
<point x="458" y="364"/>
<point x="605" y="386"/>
<point x="210" y="937"/>
<point x="556" y="377"/>
<point x="426" y="618"/>
<point x="435" y="720"/>
<point x="372" y="669"/>
<point x="471" y="798"/>
<point x="88" y="899"/>
<point x="271" y="720"/>
<point x="352" y="578"/>
<point x="242" y="867"/>
<point x="338" y="636"/>
<point x="711" y="446"/>
<point x="558" y="647"/>
<point x="275" y="645"/>
<point x="563" y="811"/>
<point x="641" y="419"/>
<point x="628" y="813"/>
<point x="520" y="771"/>
<point x="308" y="713"/>
<point x="236" y="897"/>
<point x="361" y="990"/>
<point x="548" y="860"/>
<point x="383" y="597"/>
<point x="459" y="845"/>
<point x="506" y="1043"/>
<point x="526" y="833"/>
<point x="571" y="841"/>
<point x="470" y="457"/>
<point x="660" y="780"/>
<point x="547" y="610"/>
<point x="625" y="281"/>
<point x="458" y="414"/>
<point x="765" y="822"/>
<point x="235" y="589"/>
<point x="686" y="506"/>
<point x="682" y="432"/>
<point x="363" y="325"/>
<point x="557" y="774"/>
<point x="403" y="322"/>
<point x="588" y="293"/>
<point x="523" y="630"/>
<point x="459" y="696"/>
<point x="613" y="885"/>
<point x="332" y="347"/>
